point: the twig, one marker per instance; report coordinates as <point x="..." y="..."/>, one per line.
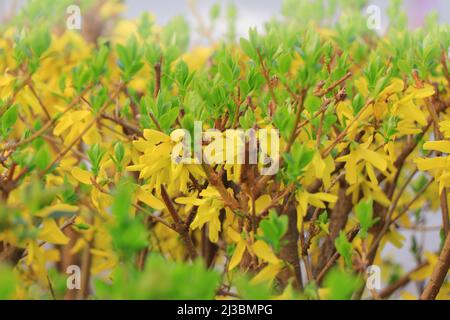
<point x="266" y="76"/>
<point x="350" y="236"/>
<point x="334" y="85"/>
<point x="84" y="131"/>
<point x="38" y="133"/>
<point x="389" y="290"/>
<point x="345" y="131"/>
<point x="439" y="273"/>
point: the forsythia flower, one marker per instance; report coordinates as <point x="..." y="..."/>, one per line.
<point x="156" y="163"/>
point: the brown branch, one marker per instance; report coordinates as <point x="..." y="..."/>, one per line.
<point x="334" y="85"/>
<point x="444" y="66"/>
<point x="216" y="182"/>
<point x="439" y="273"/>
<point x="64" y="226"/>
<point x="41" y="103"/>
<point x="301" y="101"/>
<point x="181" y="228"/>
<point x="158" y="69"/>
<point x="390" y="212"/>
<point x="350" y="236"/>
<point x="342" y="135"/>
<point x="84" y="131"/>
<point x="47" y="125"/>
<point x="266" y="76"/>
<point x="128" y="127"/>
<point x="404" y="280"/>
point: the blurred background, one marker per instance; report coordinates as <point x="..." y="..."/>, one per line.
<point x="255" y="12"/>
<point x="251" y="13"/>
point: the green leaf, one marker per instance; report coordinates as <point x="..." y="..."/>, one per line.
<point x="40" y="40"/>
<point x="344" y="247"/>
<point x="168" y="119"/>
<point x="248" y="119"/>
<point x="129" y="58"/>
<point x="42" y="158"/>
<point x="364" y="213"/>
<point x="95" y="154"/>
<point x="322" y="222"/>
<point x="119" y="151"/>
<point x="341" y="284"/>
<point x="297" y="160"/>
<point x="9" y="118"/>
<point x="7" y="282"/>
<point x="128" y="233"/>
<point x="226" y="72"/>
<point x="81" y="226"/>
<point x="247" y="47"/>
<point x="249" y="291"/>
<point x="274" y="229"/>
<point x="182" y="281"/>
<point x="181" y="73"/>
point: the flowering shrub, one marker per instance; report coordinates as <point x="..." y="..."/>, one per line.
<point x="89" y="121"/>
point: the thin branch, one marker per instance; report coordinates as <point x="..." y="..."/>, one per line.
<point x="181" y="228"/>
<point x="403" y="281"/>
<point x="266" y="76"/>
<point x="439" y="273"/>
<point x="84" y="131"/>
<point x="334" y="85"/>
<point x="343" y="134"/>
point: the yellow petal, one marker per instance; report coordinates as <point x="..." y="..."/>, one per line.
<point x="63" y="124"/>
<point x="60" y="207"/>
<point x="371" y="174"/>
<point x="237" y="255"/>
<point x="155" y="137"/>
<point x="430" y="163"/>
<point x="327" y="197"/>
<point x="424" y="92"/>
<point x="374" y="158"/>
<point x="190" y="200"/>
<point x="351" y="174"/>
<point x="264" y="252"/>
<point x="302" y="208"/>
<point x="442" y="146"/>
<point x="262" y="202"/>
<point x="51" y="233"/>
<point x="407" y="296"/>
<point x="82" y="175"/>
<point x="267" y="274"/>
<point x="149" y="199"/>
<point x="395" y="86"/>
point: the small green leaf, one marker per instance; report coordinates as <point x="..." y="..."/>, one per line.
<point x="42" y="158"/>
<point x="274" y="229"/>
<point x="9" y="118"/>
<point x="344" y="247"/>
<point x="341" y="284"/>
<point x="82" y="226"/>
<point x="364" y="213"/>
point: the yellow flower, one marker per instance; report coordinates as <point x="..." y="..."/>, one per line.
<point x="317" y="200"/>
<point x="241" y="245"/>
<point x="72" y="124"/>
<point x="209" y="207"/>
